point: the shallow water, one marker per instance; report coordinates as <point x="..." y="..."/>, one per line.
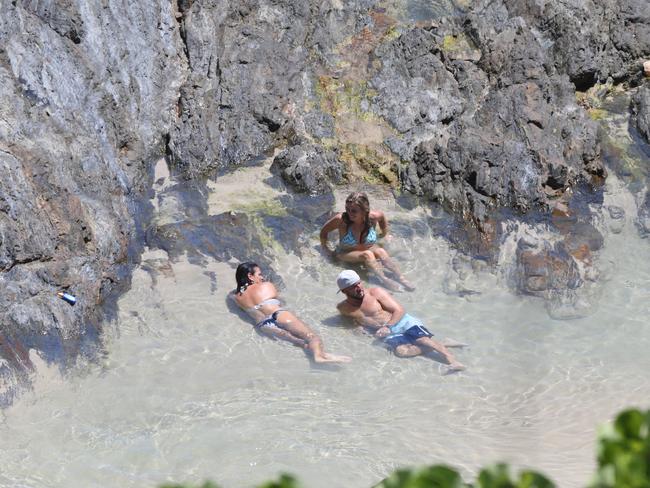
<point x="187" y="391"/>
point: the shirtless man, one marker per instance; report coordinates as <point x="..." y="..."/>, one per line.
<point x="377" y="310"/>
<point x="260" y="300"/>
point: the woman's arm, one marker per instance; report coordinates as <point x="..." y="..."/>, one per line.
<point x="382" y="221"/>
<point x="331" y="225"/>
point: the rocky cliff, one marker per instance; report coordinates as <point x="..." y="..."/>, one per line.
<point x="472" y="105"/>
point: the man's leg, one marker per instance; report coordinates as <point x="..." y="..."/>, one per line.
<point x="428" y="343"/>
<point x="407" y="351"/>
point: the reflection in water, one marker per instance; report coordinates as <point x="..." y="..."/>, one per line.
<point x="188" y="391"/>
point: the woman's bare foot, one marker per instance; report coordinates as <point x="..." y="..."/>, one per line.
<point x="408" y="286"/>
<point x="332" y="358"/>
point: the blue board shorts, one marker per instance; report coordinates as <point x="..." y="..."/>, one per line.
<point x="406" y="331"/>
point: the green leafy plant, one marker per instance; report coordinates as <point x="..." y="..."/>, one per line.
<point x="285" y="481"/>
<point x="433" y="476"/>
<point x="624" y="452"/>
<point x="207" y="484"/>
<point x="498" y="476"/>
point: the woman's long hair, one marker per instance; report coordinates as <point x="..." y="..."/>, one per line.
<point x="360" y="199"/>
<point x="241" y="275"/>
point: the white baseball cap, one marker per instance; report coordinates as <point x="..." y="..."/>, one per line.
<point x="347" y="278"/>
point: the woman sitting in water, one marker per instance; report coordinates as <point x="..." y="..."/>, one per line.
<point x="358" y="240"/>
<point x="259" y="299"/>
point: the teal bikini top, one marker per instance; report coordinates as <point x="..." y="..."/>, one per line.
<point x="349" y="240"/>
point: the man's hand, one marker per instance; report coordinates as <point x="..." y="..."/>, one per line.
<point x="382" y="332"/>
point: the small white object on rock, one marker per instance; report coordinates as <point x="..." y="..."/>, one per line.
<point x="646" y="68"/>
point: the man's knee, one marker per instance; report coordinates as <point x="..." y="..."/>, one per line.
<point x="407" y="351"/>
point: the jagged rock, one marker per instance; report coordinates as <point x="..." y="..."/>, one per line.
<point x="526" y="139"/>
<point x="546" y="269"/>
<point x="416" y="93"/>
<point x="641" y="111"/>
<point x="309" y="168"/>
<point x="83" y="110"/>
<point x="591" y="40"/>
<point x="643" y="219"/>
<point x="478" y="111"/>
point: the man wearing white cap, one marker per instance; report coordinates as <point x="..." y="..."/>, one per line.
<point x="377" y="310"/>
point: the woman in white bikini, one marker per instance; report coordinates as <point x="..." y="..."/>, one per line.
<point x="358" y="240"/>
<point x="260" y="300"/>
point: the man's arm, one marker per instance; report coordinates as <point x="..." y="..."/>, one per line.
<point x="354" y="314"/>
<point x="390" y="305"/>
<point x="358" y="316"/>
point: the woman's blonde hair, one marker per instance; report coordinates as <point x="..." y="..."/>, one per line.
<point x="361" y="200"/>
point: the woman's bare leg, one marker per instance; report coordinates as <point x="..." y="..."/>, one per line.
<point x="298" y="328"/>
<point x="382" y="255"/>
<point x="368" y="259"/>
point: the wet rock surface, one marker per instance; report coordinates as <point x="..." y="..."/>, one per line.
<point x="309" y="168"/>
<point x="591" y="41"/>
<point x="641" y="110"/>
<point x="473" y="108"/>
<point x="83" y="109"/>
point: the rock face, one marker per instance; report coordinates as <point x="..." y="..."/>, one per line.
<point x="509" y="133"/>
<point x="248" y="62"/>
<point x="475" y="110"/>
<point x="592" y="40"/>
<point x="641" y="111"/>
<point x="83" y="105"/>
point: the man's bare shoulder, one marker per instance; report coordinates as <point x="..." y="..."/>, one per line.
<point x="345" y="308"/>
